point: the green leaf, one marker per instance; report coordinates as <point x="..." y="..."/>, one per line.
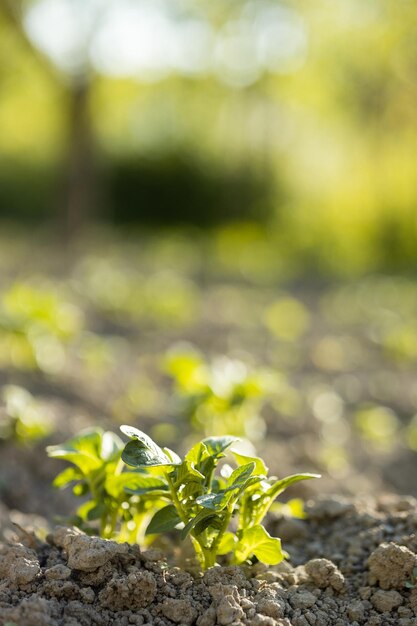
<point x="227" y="543"/>
<point x="133" y="482"/>
<point x="256" y="540"/>
<point x="137" y="454"/>
<point x="66" y="477"/>
<point x="217" y="445"/>
<point x="199" y="522"/>
<point x="88" y="508"/>
<point x="197" y="453"/>
<point x="96" y="511"/>
<point x="164" y="520"/>
<point x="83" y="450"/>
<point x="186" y="472"/>
<point x="260" y="467"/>
<point x="135" y="433"/>
<point x="214" y="501"/>
<point x="142" y="451"/>
<point x="240" y="475"/>
<point x="173" y="456"/>
<point x="238" y="480"/>
<point x="281" y="485"/>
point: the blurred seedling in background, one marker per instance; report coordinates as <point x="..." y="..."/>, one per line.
<point x="222" y="395"/>
<point x="221" y="512"/>
<point x="412" y="583"/>
<point x="99" y="476"/>
<point x="36" y="324"/>
<point x="125" y="295"/>
<point x="22" y="417"/>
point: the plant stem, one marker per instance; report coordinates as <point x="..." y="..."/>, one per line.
<point x="175" y="499"/>
<point x="201" y="551"/>
<point x="216" y="542"/>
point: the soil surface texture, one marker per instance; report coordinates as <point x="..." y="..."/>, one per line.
<point x="350" y="562"/>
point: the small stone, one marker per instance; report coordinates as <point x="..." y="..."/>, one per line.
<point x="89" y="553"/>
<point x="271" y="608"/>
<point x="263" y="620"/>
<point x="135" y="591"/>
<point x="391" y="565"/>
<point x="324" y="574"/>
<point x="302" y="599"/>
<point x="356" y="610"/>
<point x="386" y="601"/>
<point x="208" y="618"/>
<point x="228" y="611"/>
<point x="87" y="595"/>
<point x="179" y="611"/>
<point x="57" y="572"/>
<point x="18" y="564"/>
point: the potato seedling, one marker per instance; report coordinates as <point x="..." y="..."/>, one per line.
<point x="221" y="512"/>
<point x="98" y="473"/>
<point x="221" y="396"/>
<point x="22" y="417"/>
<point x="37" y="323"/>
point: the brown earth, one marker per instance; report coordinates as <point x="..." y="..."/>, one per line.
<point x="349" y="563"/>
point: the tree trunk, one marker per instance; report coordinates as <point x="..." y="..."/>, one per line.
<point x="79" y="196"/>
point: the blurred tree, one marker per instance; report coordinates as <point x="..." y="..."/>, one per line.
<point x="77" y="193"/>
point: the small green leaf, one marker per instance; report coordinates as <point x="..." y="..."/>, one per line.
<point x="200" y="522"/>
<point x="227" y="543"/>
<point x="214" y="501"/>
<point x="281" y="485"/>
<point x="240" y="475"/>
<point x="173" y="456"/>
<point x="256" y="540"/>
<point x="164" y="520"/>
<point x="186" y="473"/>
<point x="96" y="512"/>
<point x="135" y="433"/>
<point x="197" y="453"/>
<point x="66" y="477"/>
<point x="85" y="509"/>
<point x="205" y="522"/>
<point x="217" y="445"/>
<point x="137" y="454"/>
<point x="260" y="467"/>
<point x="133" y="482"/>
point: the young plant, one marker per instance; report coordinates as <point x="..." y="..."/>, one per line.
<point x="22" y="417"/>
<point x="412" y="583"/>
<point x="98" y="473"/>
<point x="221" y="396"/>
<point x="222" y="514"/>
<point x="37" y="324"/>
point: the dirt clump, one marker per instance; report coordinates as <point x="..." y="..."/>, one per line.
<point x="349" y="565"/>
<point x="391" y="565"/>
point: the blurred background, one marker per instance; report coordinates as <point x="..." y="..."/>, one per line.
<point x="208" y="220"/>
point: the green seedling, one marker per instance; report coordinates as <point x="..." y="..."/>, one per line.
<point x="99" y="475"/>
<point x="22" y="417"/>
<point x="412" y="583"/>
<point x="221" y="396"/>
<point x="222" y="512"/>
<point x="37" y="323"/>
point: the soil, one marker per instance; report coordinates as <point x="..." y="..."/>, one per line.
<point x="350" y="562"/>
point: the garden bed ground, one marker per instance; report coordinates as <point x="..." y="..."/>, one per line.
<point x="349" y="563"/>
